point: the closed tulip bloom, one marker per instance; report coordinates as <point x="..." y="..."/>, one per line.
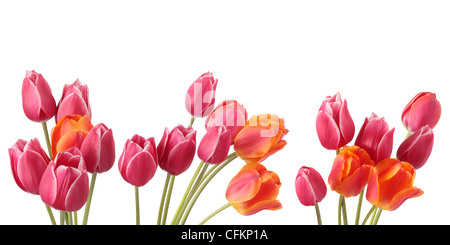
<point x="98" y="149"/>
<point x="334" y="125"/>
<point x="37" y="99"/>
<point x="310" y="186"/>
<point x="74" y="100"/>
<point x="70" y="132"/>
<point x="65" y="183"/>
<point x="215" y="145"/>
<point x="200" y="97"/>
<point x="423" y="109"/>
<point x="261" y="137"/>
<point x="391" y="183"/>
<point x="350" y="171"/>
<point x="28" y="163"/>
<point x="417" y="148"/>
<point x="139" y="160"/>
<point x="376" y="138"/>
<point x="254" y="189"/>
<point x="230" y="114"/>
<point x="176" y="150"/>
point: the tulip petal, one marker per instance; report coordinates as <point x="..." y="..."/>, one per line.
<point x="250" y="144"/>
<point x="107" y="152"/>
<point x="77" y="194"/>
<point x="354" y="183"/>
<point x="327" y="131"/>
<point x="402" y="196"/>
<point x="180" y="157"/>
<point x="90" y="150"/>
<point x="244" y="186"/>
<point x="70" y="105"/>
<point x="243" y="209"/>
<point x="48" y="104"/>
<point x="48" y="186"/>
<point x="346" y="125"/>
<point x="30" y="168"/>
<point x="140" y="169"/>
<point x="31" y="100"/>
<point x="385" y="145"/>
<point x="305" y="191"/>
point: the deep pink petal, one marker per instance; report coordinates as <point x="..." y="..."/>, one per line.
<point x="327" y="131"/>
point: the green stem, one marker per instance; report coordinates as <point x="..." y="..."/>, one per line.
<point x="373" y="216"/>
<point x="377" y="217"/>
<point x="49" y="148"/>
<point x="358" y="210"/>
<point x="88" y="203"/>
<point x="163" y="197"/>
<point x="214" y="213"/>
<point x="62" y="217"/>
<point x="169" y="194"/>
<point x="75" y="217"/>
<point x="342" y="209"/>
<point x="69" y="216"/>
<point x="191" y="122"/>
<point x="50" y="213"/>
<point x="136" y="195"/>
<point x="368" y="214"/>
<point x="319" y="219"/>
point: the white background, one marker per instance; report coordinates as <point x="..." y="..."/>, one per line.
<point x="282" y="57"/>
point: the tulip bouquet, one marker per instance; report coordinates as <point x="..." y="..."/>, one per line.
<point x="367" y="166"/>
<point x="78" y="151"/>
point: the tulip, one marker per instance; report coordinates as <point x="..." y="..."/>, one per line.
<point x="138" y="162"/>
<point x="176" y="150"/>
<point x="230" y="114"/>
<point x="417" y="148"/>
<point x="254" y="189"/>
<point x="261" y="137"/>
<point x="28" y="163"/>
<point x="350" y="171"/>
<point x="376" y="138"/>
<point x="391" y="183"/>
<point x="74" y="100"/>
<point x="200" y="97"/>
<point x="309" y="186"/>
<point x="98" y="149"/>
<point x="37" y="99"/>
<point x="215" y="145"/>
<point x="334" y="125"/>
<point x="423" y="109"/>
<point x="69" y="132"/>
<point x="65" y="183"/>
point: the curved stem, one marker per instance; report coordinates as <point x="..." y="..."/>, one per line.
<point x="368" y="214"/>
<point x="88" y="203"/>
<point x="136" y="195"/>
<point x="50" y="214"/>
<point x="373" y="215"/>
<point x="319" y="219"/>
<point x="214" y="213"/>
<point x="163" y="197"/>
<point x="191" y="122"/>
<point x="377" y="217"/>
<point x="358" y="210"/>
<point x="169" y="194"/>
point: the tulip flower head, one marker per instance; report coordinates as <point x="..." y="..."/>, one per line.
<point x="423" y="109"/>
<point x="334" y="125"/>
<point x="309" y="186"/>
<point x="254" y="189"/>
<point x="215" y="145"/>
<point x="74" y="100"/>
<point x="200" y="97"/>
<point x="417" y="148"/>
<point x="98" y="149"/>
<point x="229" y="113"/>
<point x="37" y="99"/>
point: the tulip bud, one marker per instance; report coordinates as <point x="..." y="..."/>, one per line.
<point x="230" y="114"/>
<point x="310" y="186"/>
<point x="254" y="189"/>
<point x="200" y="96"/>
<point x="37" y="99"/>
<point x="65" y="183"/>
<point x="74" y="100"/>
<point x="391" y="183"/>
<point x="139" y="161"/>
<point x="376" y="138"/>
<point x="215" y="145"/>
<point x="176" y="150"/>
<point x="98" y="149"/>
<point x="423" y="109"/>
<point x="334" y="124"/>
<point x="28" y="163"/>
<point x="417" y="148"/>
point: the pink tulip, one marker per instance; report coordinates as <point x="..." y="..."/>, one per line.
<point x="310" y="186"/>
<point x="139" y="161"/>
<point x="334" y="124"/>
<point x="176" y="150"/>
<point x="230" y="114"/>
<point x="28" y="163"/>
<point x="423" y="109"/>
<point x="37" y="99"/>
<point x="74" y="100"/>
<point x="376" y="138"/>
<point x="200" y="97"/>
<point x="417" y="148"/>
<point x="98" y="149"/>
<point x="65" y="182"/>
<point x="215" y="145"/>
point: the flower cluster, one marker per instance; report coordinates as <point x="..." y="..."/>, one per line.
<point x="368" y="165"/>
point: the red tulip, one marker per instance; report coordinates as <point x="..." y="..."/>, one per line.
<point x="423" y="109"/>
<point x="98" y="149"/>
<point x="28" y="163"/>
<point x="310" y="186"/>
<point x="230" y="114"/>
<point x="65" y="183"/>
<point x="376" y="138"/>
<point x="74" y="100"/>
<point x="417" y="148"/>
<point x="215" y="145"/>
<point x="176" y="150"/>
<point x="334" y="124"/>
<point x="200" y="97"/>
<point x="37" y="99"/>
<point x="139" y="161"/>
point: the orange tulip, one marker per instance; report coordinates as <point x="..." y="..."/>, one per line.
<point x="254" y="189"/>
<point x="391" y="183"/>
<point x="70" y="131"/>
<point x="261" y="137"/>
<point x="350" y="171"/>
